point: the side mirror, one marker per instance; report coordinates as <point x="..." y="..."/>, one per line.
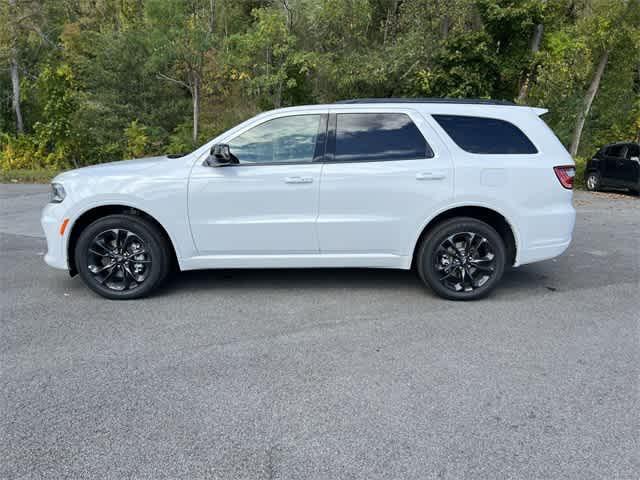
<point x="220" y="156"/>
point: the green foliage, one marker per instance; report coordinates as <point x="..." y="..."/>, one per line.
<point x="59" y="142"/>
<point x="19" y="152"/>
<point x="180" y="139"/>
<point x="465" y="67"/>
<point x="581" y="164"/>
<point x="266" y="61"/>
<point x="107" y="79"/>
<point x="137" y="139"/>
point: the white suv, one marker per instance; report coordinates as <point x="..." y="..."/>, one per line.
<point x="457" y="189"/>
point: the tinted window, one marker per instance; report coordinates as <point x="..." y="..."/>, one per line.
<point x="617" y="151"/>
<point x="285" y="139"/>
<point x="362" y="137"/>
<point x="485" y="135"/>
<point x="634" y="150"/>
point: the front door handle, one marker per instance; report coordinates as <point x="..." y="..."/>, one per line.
<point x="430" y="176"/>
<point x="298" y="180"/>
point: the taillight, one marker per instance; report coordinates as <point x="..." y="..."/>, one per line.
<point x="565" y="174"/>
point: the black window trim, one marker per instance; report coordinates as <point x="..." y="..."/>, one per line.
<point x="329" y="155"/>
<point x="318" y="153"/>
<point x="434" y="115"/>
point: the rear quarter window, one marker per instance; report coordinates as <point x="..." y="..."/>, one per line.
<point x="485" y="135"/>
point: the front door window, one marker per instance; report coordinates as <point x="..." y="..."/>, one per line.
<point x="281" y="140"/>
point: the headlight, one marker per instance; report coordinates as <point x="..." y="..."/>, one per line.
<point x="57" y="193"/>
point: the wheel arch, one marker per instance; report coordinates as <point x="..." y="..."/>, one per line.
<point x="488" y="215"/>
<point x="94" y="213"/>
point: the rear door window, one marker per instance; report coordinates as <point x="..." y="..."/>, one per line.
<point x="371" y="137"/>
<point x="617" y="151"/>
<point x="485" y="135"/>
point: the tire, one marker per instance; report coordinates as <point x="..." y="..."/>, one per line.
<point x="461" y="259"/>
<point x="592" y="182"/>
<point x="106" y="259"/>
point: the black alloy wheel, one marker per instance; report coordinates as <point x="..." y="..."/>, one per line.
<point x="465" y="261"/>
<point x="117" y="258"/>
<point x="462" y="259"/>
<point x="122" y="256"/>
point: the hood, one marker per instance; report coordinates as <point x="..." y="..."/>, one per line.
<point x="123" y="167"/>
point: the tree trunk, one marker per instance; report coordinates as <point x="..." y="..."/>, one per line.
<point x="15" y="73"/>
<point x="476" y="19"/>
<point x="445" y="25"/>
<point x="195" y="95"/>
<point x="588" y="100"/>
<point x="536" y="39"/>
<point x="15" y="82"/>
<point x="212" y="16"/>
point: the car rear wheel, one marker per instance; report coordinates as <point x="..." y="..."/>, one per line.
<point x="593" y="182"/>
<point x="462" y="259"/>
<point x="122" y="257"/>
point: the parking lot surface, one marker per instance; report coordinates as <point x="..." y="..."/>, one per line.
<point x="324" y="374"/>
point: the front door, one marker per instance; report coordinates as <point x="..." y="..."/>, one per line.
<point x="614" y="165"/>
<point x="268" y="202"/>
<point x="385" y="172"/>
<point x="632" y="166"/>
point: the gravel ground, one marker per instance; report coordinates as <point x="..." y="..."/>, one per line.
<point x="318" y="374"/>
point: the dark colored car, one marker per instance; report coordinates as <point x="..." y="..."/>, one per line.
<point x="615" y="165"/>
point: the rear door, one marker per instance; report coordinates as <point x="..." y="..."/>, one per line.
<point x="385" y="172"/>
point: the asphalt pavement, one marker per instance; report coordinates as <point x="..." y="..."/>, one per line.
<point x="324" y="374"/>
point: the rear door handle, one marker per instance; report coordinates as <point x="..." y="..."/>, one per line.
<point x="298" y="180"/>
<point x="430" y="176"/>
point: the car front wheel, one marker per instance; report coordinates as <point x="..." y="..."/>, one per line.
<point x="122" y="257"/>
<point x="462" y="259"/>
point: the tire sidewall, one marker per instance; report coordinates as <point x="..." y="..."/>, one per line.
<point x="426" y="268"/>
<point x="152" y="240"/>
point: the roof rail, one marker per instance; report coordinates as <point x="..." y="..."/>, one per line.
<point x="462" y="101"/>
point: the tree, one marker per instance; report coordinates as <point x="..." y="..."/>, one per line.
<point x="613" y="23"/>
<point x="182" y="37"/>
<point x="266" y="60"/>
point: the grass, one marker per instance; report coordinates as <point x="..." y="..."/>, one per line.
<point x="23" y="175"/>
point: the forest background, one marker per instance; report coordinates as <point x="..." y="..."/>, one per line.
<point x="90" y="81"/>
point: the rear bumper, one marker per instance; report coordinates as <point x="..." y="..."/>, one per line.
<point x="538" y="254"/>
<point x="51" y="220"/>
<point x="547" y="234"/>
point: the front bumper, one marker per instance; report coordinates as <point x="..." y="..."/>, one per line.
<point x="53" y="215"/>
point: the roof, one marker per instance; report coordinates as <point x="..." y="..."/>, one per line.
<point x="460" y="101"/>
